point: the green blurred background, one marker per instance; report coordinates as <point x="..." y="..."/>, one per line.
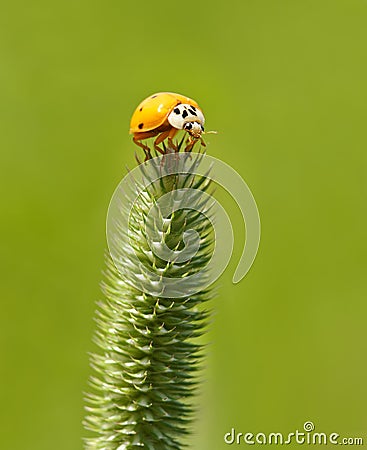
<point x="284" y="83"/>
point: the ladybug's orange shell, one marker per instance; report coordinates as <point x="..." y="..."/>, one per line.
<point x="154" y="110"/>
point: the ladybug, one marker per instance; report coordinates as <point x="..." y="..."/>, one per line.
<point x="163" y="115"/>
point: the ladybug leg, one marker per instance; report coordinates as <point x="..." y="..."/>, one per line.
<point x="145" y="148"/>
<point x="192" y="141"/>
<point x="160" y="138"/>
<point x="169" y="134"/>
<point x="190" y="144"/>
<point x="141" y="136"/>
<point x="172" y="133"/>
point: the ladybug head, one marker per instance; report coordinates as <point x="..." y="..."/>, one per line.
<point x="194" y="129"/>
<point x="189" y="118"/>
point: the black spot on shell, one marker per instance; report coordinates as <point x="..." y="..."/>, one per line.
<point x="141" y="109"/>
<point x="192" y="111"/>
<point x="185" y="114"/>
<point x="176" y="111"/>
<point x="154" y="96"/>
<point x="140" y="126"/>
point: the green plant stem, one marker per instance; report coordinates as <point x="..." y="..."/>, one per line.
<point x="148" y="358"/>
